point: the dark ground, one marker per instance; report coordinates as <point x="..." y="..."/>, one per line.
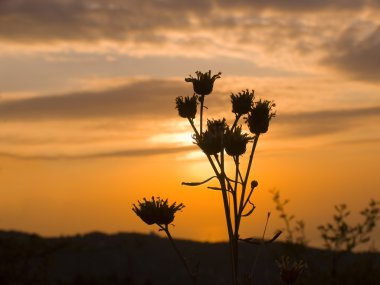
<point x="136" y="259"/>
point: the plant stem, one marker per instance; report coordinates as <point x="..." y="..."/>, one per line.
<point x="236" y="218"/>
<point x="193" y="276"/>
<point x="234" y="192"/>
<point x="227" y="210"/>
<point x="222" y="181"/>
<point x="259" y="249"/>
<point x="237" y="163"/>
<point x="243" y="203"/>
<point x="237" y="117"/>
<point x="201" y="99"/>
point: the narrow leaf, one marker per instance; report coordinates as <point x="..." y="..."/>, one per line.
<point x="214" y="188"/>
<point x="250" y="211"/>
<point x="197" y="183"/>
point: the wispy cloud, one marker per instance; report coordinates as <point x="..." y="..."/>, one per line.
<point x="118" y="153"/>
<point x="265" y="33"/>
<point x="327" y="122"/>
<point x="147" y="99"/>
<point x="357" y="52"/>
<point x="300" y="5"/>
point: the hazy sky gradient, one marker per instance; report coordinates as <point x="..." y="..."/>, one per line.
<point x="88" y="125"/>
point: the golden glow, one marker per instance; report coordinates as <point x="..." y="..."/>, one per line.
<point x="88" y="124"/>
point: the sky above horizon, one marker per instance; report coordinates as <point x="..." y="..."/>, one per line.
<point x="88" y="124"/>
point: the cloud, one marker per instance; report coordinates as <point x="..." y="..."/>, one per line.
<point x="81" y="20"/>
<point x="326" y="122"/>
<point x="154" y="100"/>
<point x="149" y="99"/>
<point x="116" y="153"/>
<point x="300" y="5"/>
<point x="357" y="52"/>
<point x="267" y="33"/>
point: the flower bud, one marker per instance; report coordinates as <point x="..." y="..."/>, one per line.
<point x="187" y="106"/>
<point x="216" y="126"/>
<point x="242" y="102"/>
<point x="259" y="117"/>
<point x="211" y="140"/>
<point x="235" y="142"/>
<point x="156" y="211"/>
<point x="204" y="82"/>
<point x="254" y="184"/>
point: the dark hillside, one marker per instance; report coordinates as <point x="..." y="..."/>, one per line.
<point x="128" y="258"/>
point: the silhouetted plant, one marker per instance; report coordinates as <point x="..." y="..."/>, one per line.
<point x="158" y="211"/>
<point x="293" y="233"/>
<point x="220" y="138"/>
<point x="341" y="237"/>
<point x="216" y="141"/>
<point x="290" y="270"/>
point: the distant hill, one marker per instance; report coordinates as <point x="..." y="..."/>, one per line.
<point x="130" y="259"/>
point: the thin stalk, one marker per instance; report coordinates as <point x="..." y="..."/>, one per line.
<point x="236" y="159"/>
<point x="193" y="276"/>
<point x="236" y="218"/>
<point x="231" y="235"/>
<point x="262" y="242"/>
<point x="240" y="176"/>
<point x="193" y="126"/>
<point x="201" y="99"/>
<point x="244" y="187"/>
<point x="230" y="188"/>
<point x="208" y="157"/>
<point x="255" y="140"/>
<point x="221" y="177"/>
<point x="247" y="200"/>
<point x="237" y="117"/>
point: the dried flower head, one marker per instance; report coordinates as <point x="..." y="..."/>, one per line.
<point x="242" y="102"/>
<point x="235" y="142"/>
<point x="211" y="140"/>
<point x="289" y="270"/>
<point x="259" y="116"/>
<point x="156" y="211"/>
<point x="216" y="126"/>
<point x="187" y="106"/>
<point x="204" y="82"/>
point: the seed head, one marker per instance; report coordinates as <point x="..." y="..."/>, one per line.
<point x="204" y="82"/>
<point x="211" y="140"/>
<point x="235" y="142"/>
<point x="242" y="102"/>
<point x="156" y="211"/>
<point x="187" y="106"/>
<point x="260" y="116"/>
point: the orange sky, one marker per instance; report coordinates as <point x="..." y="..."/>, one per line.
<point x="88" y="125"/>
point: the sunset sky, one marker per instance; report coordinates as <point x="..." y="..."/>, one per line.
<point x="88" y="124"/>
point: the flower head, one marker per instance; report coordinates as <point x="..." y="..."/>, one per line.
<point x="204" y="82"/>
<point x="290" y="270"/>
<point x="211" y="140"/>
<point x="156" y="211"/>
<point x="235" y="142"/>
<point x="216" y="126"/>
<point x="242" y="102"/>
<point x="259" y="116"/>
<point x="187" y="107"/>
